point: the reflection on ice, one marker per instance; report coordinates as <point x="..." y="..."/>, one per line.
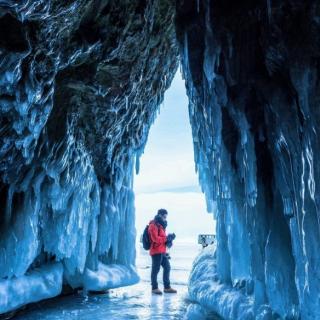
<point x="135" y="302"/>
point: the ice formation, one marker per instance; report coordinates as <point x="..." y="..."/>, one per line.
<point x="109" y="276"/>
<point x="80" y="84"/>
<point x="252" y="77"/>
<point x="38" y="284"/>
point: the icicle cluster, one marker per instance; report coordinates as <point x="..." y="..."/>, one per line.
<point x="80" y="84"/>
<point x="252" y="77"/>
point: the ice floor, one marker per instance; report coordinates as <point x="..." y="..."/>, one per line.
<point x="135" y="302"/>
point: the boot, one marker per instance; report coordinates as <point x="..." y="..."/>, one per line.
<point x="156" y="291"/>
<point x="169" y="290"/>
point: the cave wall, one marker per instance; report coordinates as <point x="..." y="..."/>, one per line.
<point x="252" y="71"/>
<point x="80" y="84"/>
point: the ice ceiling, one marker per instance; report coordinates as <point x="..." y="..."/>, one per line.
<point x="80" y="85"/>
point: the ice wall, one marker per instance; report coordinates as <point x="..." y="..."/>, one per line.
<point x="252" y="77"/>
<point x="80" y="84"/>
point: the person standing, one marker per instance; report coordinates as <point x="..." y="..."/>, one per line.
<point x="159" y="242"/>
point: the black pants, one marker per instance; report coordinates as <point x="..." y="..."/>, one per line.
<point x="157" y="261"/>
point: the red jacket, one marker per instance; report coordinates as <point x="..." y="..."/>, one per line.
<point x="158" y="238"/>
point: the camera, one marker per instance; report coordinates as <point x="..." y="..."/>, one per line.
<point x="170" y="238"/>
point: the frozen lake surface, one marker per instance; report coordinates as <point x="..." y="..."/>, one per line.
<point x="134" y="302"/>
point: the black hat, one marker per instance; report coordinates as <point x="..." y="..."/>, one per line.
<point x="162" y="212"/>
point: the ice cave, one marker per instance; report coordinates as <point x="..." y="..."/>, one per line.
<point x="81" y="82"/>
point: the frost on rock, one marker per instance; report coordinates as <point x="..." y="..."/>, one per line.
<point x="195" y="312"/>
<point x="38" y="284"/>
<point x="109" y="276"/>
<point x="252" y="77"/>
<point x="214" y="295"/>
<point x="80" y="84"/>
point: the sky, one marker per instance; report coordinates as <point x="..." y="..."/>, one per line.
<point x="167" y="177"/>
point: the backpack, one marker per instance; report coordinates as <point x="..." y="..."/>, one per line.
<point x="146" y="242"/>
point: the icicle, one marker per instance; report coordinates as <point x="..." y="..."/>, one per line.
<point x="9" y="205"/>
<point x="269" y="10"/>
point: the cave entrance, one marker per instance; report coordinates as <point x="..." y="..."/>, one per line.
<point x="167" y="179"/>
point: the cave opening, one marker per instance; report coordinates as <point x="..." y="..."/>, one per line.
<point x="167" y="177"/>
